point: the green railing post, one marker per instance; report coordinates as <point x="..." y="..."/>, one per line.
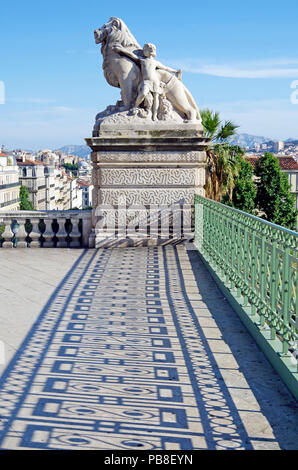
<point x="253" y="269"/>
<point x="285" y="295"/>
<point x="273" y="285"/>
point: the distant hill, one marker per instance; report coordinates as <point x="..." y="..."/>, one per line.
<point x="243" y="140"/>
<point x="247" y="140"/>
<point x="80" y="150"/>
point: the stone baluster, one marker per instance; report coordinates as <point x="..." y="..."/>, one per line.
<point x="61" y="234"/>
<point x="7" y="234"/>
<point x="154" y="224"/>
<point x="48" y="234"/>
<point x="35" y="234"/>
<point x="188" y="229"/>
<point x="75" y="234"/>
<point x="21" y="234"/>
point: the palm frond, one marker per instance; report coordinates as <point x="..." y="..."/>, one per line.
<point x="210" y="121"/>
<point x="226" y="130"/>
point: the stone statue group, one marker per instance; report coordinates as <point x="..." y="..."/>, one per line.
<point x="148" y="88"/>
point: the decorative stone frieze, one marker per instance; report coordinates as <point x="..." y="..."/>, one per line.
<point x="151" y="177"/>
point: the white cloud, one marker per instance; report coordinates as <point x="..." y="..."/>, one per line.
<point x="272" y="118"/>
<point x="51" y="127"/>
<point x="267" y="68"/>
<point x="2" y="92"/>
<point x="62" y="110"/>
<point x="272" y="123"/>
<point x="226" y="71"/>
<point x="29" y="100"/>
<point x="255" y="105"/>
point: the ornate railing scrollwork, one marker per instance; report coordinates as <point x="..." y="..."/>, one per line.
<point x="258" y="261"/>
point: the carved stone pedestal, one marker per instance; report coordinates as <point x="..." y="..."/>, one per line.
<point x="145" y="177"/>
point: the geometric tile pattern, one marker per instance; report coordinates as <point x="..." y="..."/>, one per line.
<point x="117" y="360"/>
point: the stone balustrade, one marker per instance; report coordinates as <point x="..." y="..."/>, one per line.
<point x="45" y="229"/>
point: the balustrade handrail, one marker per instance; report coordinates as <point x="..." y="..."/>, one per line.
<point x="45" y="228"/>
<point x="246" y="214"/>
<point x="257" y="260"/>
<point x="85" y="213"/>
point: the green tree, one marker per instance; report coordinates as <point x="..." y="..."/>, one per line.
<point x="25" y="203"/>
<point x="245" y="191"/>
<point x="222" y="163"/>
<point x="73" y="167"/>
<point x="274" y="200"/>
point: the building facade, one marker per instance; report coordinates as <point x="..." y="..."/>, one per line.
<point x="68" y="193"/>
<point x="9" y="183"/>
<point x="38" y="178"/>
<point x="87" y="189"/>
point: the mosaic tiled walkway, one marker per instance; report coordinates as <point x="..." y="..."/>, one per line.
<point x="119" y="359"/>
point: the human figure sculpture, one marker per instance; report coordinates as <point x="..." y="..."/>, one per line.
<point x="150" y="83"/>
<point x="123" y="69"/>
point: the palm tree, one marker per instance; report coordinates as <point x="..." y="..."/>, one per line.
<point x="214" y="128"/>
<point x="222" y="162"/>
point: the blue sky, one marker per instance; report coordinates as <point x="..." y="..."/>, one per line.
<point x="238" y="58"/>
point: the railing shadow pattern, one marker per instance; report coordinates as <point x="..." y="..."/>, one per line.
<point x="117" y="360"/>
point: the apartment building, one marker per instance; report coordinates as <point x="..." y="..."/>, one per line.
<point x="87" y="189"/>
<point x="76" y="194"/>
<point x="38" y="178"/>
<point x="9" y="183"/>
<point x="68" y="193"/>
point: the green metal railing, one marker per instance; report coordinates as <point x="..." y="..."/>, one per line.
<point x="256" y="263"/>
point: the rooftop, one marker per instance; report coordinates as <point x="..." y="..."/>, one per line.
<point x="28" y="162"/>
<point x="83" y="183"/>
<point x="285" y="162"/>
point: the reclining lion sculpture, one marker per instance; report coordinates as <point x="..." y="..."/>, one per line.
<point x="123" y="72"/>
